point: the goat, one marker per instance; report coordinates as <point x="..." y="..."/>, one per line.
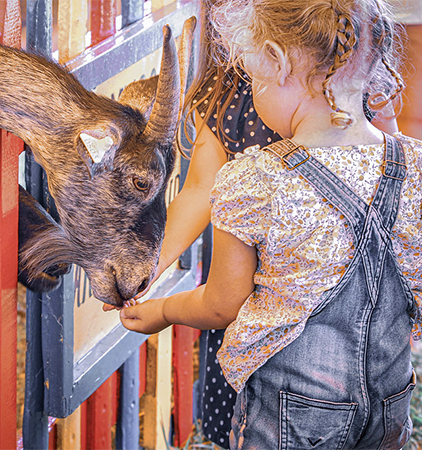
<point x="107" y="164"/>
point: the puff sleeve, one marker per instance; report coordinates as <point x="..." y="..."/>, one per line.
<point x="241" y="199"/>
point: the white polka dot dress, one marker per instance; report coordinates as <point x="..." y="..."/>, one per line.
<point x="243" y="128"/>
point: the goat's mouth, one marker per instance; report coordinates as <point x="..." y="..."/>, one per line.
<point x="109" y="293"/>
<point x="114" y="292"/>
<point x="113" y="282"/>
<point x="104" y="288"/>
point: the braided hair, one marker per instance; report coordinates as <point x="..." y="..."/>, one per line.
<point x="345" y="46"/>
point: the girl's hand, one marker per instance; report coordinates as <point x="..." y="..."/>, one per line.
<point x="147" y="317"/>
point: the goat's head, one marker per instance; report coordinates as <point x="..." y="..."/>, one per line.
<point x="110" y="190"/>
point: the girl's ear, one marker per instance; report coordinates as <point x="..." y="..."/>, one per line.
<point x="279" y="61"/>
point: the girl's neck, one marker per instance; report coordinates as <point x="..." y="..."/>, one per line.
<point x="311" y="124"/>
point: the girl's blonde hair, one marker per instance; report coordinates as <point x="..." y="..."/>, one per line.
<point x="337" y="34"/>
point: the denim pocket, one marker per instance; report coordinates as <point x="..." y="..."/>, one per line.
<point x="397" y="423"/>
<point x="307" y="423"/>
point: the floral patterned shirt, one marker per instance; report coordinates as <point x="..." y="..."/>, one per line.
<point x="303" y="244"/>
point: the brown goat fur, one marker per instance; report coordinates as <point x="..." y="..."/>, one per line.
<point x="111" y="207"/>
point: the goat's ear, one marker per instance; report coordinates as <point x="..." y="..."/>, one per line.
<point x="97" y="149"/>
<point x="140" y="95"/>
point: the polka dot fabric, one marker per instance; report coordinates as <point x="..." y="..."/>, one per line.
<point x="304" y="244"/>
<point x="242" y="126"/>
<point x="218" y="396"/>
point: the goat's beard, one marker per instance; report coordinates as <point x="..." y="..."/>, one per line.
<point x="48" y="249"/>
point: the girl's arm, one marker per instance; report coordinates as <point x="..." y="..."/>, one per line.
<point x="189" y="213"/>
<point x="213" y="305"/>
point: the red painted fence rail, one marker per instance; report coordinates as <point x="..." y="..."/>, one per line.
<point x="10" y="147"/>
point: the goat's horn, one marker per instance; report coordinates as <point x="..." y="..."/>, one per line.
<point x="167" y="110"/>
<point x="184" y="59"/>
<point x="162" y="124"/>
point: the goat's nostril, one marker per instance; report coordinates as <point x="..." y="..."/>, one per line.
<point x="143" y="285"/>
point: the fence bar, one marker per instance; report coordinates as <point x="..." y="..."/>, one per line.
<point x="103" y="20"/>
<point x="99" y="414"/>
<point x="9" y="269"/>
<point x="127" y="428"/>
<point x="84" y="424"/>
<point x="115" y="378"/>
<point x="69" y="432"/>
<point x="8" y="281"/>
<point x="149" y="399"/>
<point x="72" y="24"/>
<point x="182" y="382"/>
<point x="35" y="423"/>
<point x="10" y="147"/>
<point x="132" y="11"/>
<point x="39" y="26"/>
<point x="142" y="368"/>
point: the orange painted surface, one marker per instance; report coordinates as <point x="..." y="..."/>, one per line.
<point x="183" y="382"/>
<point x="10" y="147"/>
<point x="103" y="20"/>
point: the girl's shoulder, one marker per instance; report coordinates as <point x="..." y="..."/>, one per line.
<point x="254" y="166"/>
<point x="241" y="198"/>
<point x="412" y="149"/>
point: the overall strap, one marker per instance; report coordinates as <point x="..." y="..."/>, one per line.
<point x="386" y="199"/>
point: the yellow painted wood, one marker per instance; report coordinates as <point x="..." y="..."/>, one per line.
<point x="149" y="399"/>
<point x="156" y="402"/>
<point x="72" y="25"/>
<point x="157" y="4"/>
<point x="164" y="386"/>
<point x="69" y="432"/>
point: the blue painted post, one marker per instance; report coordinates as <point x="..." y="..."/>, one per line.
<point x="132" y="11"/>
<point x="35" y="421"/>
<point x="127" y="428"/>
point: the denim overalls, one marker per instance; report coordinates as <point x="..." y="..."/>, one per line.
<point x="346" y="381"/>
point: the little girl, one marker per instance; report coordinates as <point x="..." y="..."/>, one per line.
<point x="315" y="269"/>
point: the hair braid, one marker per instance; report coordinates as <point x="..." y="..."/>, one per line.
<point x="382" y="41"/>
<point x="345" y="42"/>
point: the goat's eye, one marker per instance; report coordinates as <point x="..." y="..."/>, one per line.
<point x="140" y="184"/>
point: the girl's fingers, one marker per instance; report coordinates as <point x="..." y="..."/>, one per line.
<point x="144" y="317"/>
<point x="128" y="312"/>
<point x="131" y="324"/>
